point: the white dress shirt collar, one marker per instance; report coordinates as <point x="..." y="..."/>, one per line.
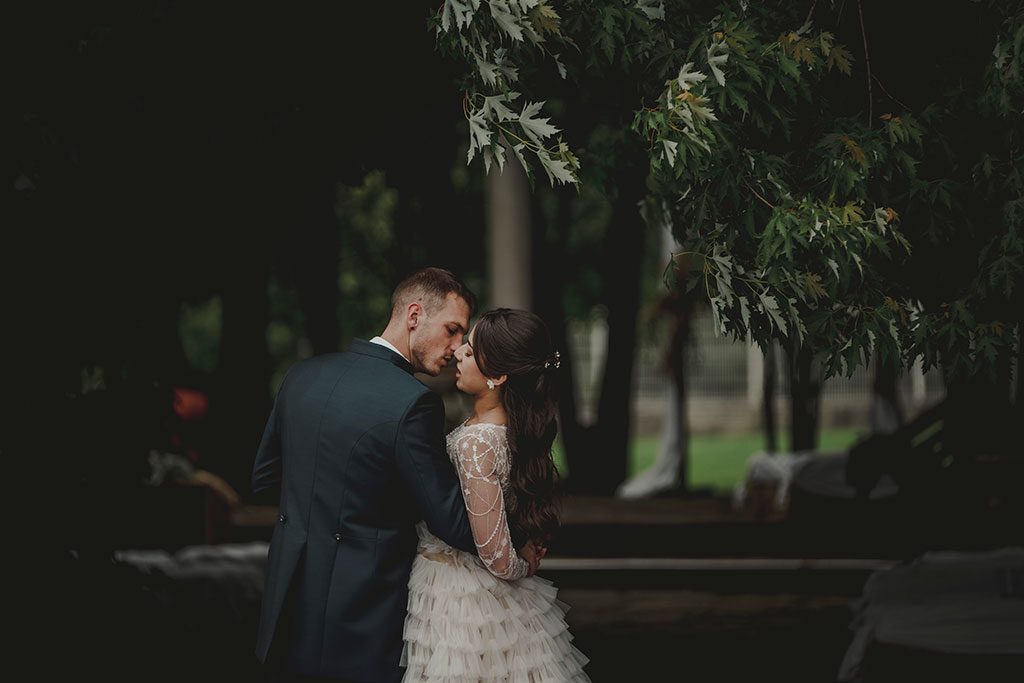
<point x="386" y="344"/>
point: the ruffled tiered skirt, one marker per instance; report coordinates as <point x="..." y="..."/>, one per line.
<point x="464" y="625"/>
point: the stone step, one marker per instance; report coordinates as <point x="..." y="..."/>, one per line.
<point x="840" y="576"/>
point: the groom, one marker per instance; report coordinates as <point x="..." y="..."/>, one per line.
<point x="356" y="444"/>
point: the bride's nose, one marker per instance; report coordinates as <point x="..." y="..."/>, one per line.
<point x="460" y="352"/>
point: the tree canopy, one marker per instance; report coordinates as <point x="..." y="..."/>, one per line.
<point x="839" y="180"/>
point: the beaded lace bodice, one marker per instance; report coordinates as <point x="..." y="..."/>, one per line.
<point x="483" y="461"/>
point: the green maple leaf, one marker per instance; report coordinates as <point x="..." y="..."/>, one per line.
<point x="802" y="52"/>
<point x="688" y="78"/>
<point x="479" y="134"/>
<point x="495" y="106"/>
<point x="462" y="12"/>
<point x="701" y="112"/>
<point x="839" y="57"/>
<point x="789" y="67"/>
<point x="505" y="20"/>
<point x="718" y="54"/>
<point x="654" y="9"/>
<point x="825" y="40"/>
<point x="812" y="285"/>
<point x="518" y="149"/>
<point x="488" y="71"/>
<point x="744" y="311"/>
<point x="545" y="19"/>
<point x="739" y="100"/>
<point x="536" y="129"/>
<point x="490" y="156"/>
<point x="670" y="152"/>
<point x="851" y="213"/>
<point x="855" y="150"/>
<point x="737" y="36"/>
<point x="770" y="305"/>
<point x="558" y="63"/>
<point x="556" y="169"/>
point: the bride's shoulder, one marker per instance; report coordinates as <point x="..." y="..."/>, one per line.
<point x="479" y="431"/>
<point x="483" y="428"/>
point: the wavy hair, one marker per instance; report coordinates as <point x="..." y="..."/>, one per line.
<point x="516" y="343"/>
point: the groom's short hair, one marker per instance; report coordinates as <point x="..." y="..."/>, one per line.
<point x="430" y="287"/>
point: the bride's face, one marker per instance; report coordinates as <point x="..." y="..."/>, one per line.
<point x="468" y="377"/>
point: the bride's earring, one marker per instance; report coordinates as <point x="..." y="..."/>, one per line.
<point x="490" y="384"/>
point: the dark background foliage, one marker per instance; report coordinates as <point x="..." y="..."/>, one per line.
<point x="164" y="153"/>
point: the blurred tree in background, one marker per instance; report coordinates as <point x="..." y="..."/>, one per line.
<point x="200" y="195"/>
<point x="845" y="179"/>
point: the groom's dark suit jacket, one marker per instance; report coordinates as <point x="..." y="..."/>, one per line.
<point x="357" y="445"/>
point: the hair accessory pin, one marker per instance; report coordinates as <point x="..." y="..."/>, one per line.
<point x="555" y="361"/>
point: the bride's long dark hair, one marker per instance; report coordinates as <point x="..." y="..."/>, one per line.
<point x="516" y="343"/>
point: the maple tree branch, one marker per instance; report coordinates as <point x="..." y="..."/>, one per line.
<point x="867" y="63"/>
<point x="529" y="145"/>
<point x="811" y="12"/>
<point x="889" y="94"/>
<point x="772" y="206"/>
<point x="751" y="282"/>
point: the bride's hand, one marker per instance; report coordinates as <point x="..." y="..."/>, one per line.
<point x="541" y="550"/>
<point x="532" y="556"/>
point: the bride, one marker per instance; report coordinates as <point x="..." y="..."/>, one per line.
<point x="481" y="618"/>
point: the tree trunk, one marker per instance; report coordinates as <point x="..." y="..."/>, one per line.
<point x="768" y="399"/>
<point x="548" y="247"/>
<point x="670" y="471"/>
<point x="596" y="455"/>
<point x="805" y="394"/>
<point x="508" y="201"/>
<point x="605" y="466"/>
<point x="679" y="440"/>
<point x="1018" y="397"/>
<point x="886" y="411"/>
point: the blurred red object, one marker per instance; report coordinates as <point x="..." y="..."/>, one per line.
<point x="189" y="404"/>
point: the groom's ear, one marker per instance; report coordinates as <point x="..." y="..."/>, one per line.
<point x="413" y="315"/>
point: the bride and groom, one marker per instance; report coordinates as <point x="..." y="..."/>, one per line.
<point x="398" y="553"/>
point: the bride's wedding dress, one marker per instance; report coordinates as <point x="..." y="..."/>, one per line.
<point x="476" y="618"/>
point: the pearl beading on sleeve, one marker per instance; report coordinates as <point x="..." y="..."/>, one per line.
<point x="482" y="458"/>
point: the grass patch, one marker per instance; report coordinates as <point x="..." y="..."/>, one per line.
<point x="717" y="461"/>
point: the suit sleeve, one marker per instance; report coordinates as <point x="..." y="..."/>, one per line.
<point x="424" y="466"/>
<point x="266" y="471"/>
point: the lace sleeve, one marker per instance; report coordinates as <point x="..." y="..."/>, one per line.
<point x="477" y="461"/>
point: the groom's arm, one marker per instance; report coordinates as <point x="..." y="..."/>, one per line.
<point x="424" y="466"/>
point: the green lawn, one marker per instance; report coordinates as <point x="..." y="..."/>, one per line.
<point x="717" y="461"/>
